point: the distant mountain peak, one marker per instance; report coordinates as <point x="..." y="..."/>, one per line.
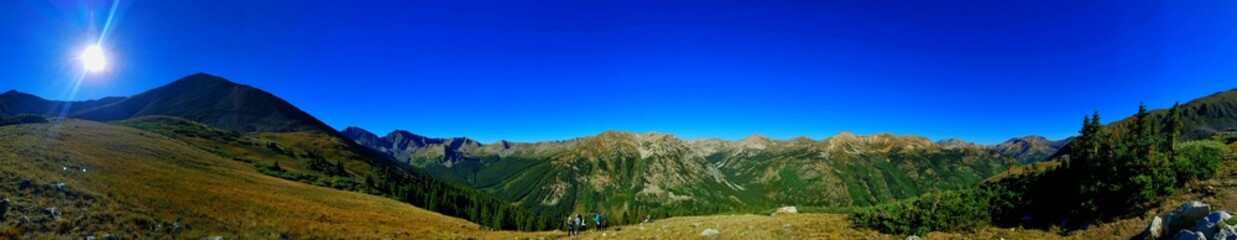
<point x="845" y="134"/>
<point x="756" y="137"/>
<point x="15" y="93"/>
<point x="954" y="143"/>
<point x="1031" y="148"/>
<point x="801" y="139"/>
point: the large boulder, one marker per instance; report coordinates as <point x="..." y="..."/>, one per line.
<point x="709" y="232"/>
<point x="1185" y="216"/>
<point x="1154" y="230"/>
<point x="1190" y="235"/>
<point x="787" y="209"/>
<point x="1210" y="225"/>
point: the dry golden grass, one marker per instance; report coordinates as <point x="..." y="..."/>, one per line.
<point x="142" y="181"/>
<point x="831" y="226"/>
<point x="785" y="226"/>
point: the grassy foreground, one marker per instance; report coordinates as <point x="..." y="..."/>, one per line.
<point x="133" y="184"/>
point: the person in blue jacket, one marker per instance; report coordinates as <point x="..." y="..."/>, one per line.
<point x="598" y="220"/>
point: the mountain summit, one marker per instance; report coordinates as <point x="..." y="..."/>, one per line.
<point x="200" y="97"/>
<point x="213" y="101"/>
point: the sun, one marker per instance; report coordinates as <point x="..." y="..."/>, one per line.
<point x="92" y="58"/>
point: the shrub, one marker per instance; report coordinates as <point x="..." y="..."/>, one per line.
<point x="22" y="119"/>
<point x="942" y="211"/>
<point x="1197" y="160"/>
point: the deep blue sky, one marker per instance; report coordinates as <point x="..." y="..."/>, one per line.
<point x="982" y="71"/>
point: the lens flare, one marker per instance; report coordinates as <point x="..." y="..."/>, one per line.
<point x="92" y="58"/>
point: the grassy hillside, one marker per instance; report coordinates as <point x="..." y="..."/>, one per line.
<point x="14" y="103"/>
<point x="322" y="160"/>
<point x="134" y="184"/>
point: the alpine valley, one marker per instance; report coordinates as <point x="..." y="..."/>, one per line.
<point x="206" y="157"/>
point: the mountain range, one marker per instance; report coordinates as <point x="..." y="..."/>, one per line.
<point x="515" y="185"/>
<point x="663" y="173"/>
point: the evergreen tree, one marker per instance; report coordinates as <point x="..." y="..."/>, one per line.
<point x="1174" y="129"/>
<point x="339" y="168"/>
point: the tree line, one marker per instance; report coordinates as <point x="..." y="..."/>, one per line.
<point x="1109" y="174"/>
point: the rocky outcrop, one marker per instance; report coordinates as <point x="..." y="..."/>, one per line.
<point x="1210" y="225"/>
<point x="1191" y="220"/>
<point x="1185" y="216"/>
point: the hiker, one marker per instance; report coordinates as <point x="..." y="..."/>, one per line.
<point x="579" y="224"/>
<point x="571" y="226"/>
<point x="597" y="220"/>
<point x="648" y="218"/>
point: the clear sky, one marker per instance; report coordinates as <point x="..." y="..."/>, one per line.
<point x="982" y="71"/>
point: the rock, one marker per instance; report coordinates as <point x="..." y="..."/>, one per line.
<point x="912" y="237"/>
<point x="90" y="238"/>
<point x="24" y="184"/>
<point x="709" y="232"/>
<point x="787" y="227"/>
<point x="108" y="237"/>
<point x="1185" y="216"/>
<point x="696" y="224"/>
<point x="60" y="186"/>
<point x="1190" y="235"/>
<point x="1226" y="233"/>
<point x="1155" y="229"/>
<point x="52" y="213"/>
<point x="1209" y="225"/>
<point x="4" y="208"/>
<point x="214" y="238"/>
<point x="787" y="209"/>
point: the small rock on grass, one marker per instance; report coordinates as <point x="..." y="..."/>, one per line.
<point x="710" y="232"/>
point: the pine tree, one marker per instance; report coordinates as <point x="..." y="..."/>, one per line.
<point x="339" y="168"/>
<point x="1174" y="129"/>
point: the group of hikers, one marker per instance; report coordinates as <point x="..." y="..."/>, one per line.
<point x="576" y="224"/>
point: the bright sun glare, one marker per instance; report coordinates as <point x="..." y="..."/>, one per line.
<point x="92" y="58"/>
